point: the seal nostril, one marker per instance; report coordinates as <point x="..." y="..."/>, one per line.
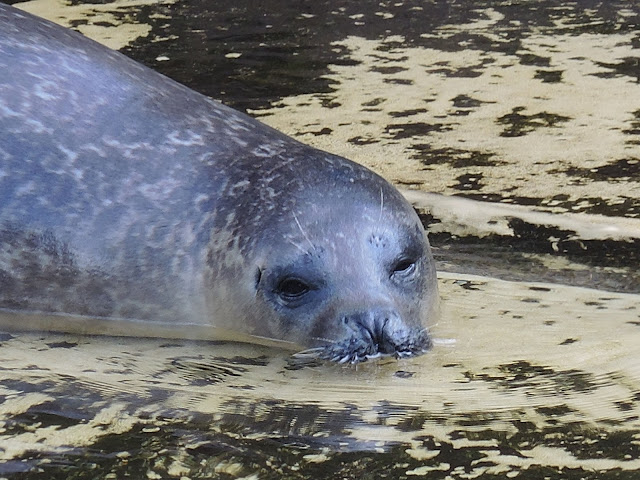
<point x="374" y="329"/>
<point x="385" y="342"/>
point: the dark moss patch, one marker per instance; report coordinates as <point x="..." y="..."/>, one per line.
<point x="62" y="345"/>
<point x="634" y="129"/>
<point x="545" y="239"/>
<point x="622" y="207"/>
<point x="530" y="300"/>
<point x="531" y="59"/>
<point x="103" y="23"/>
<point x="468" y="181"/>
<point x="623" y="169"/>
<point x="408" y="113"/>
<point x="328" y="102"/>
<point x="374" y="103"/>
<point x="628" y="66"/>
<point x="452" y="156"/>
<point x="359" y="140"/>
<point x="398" y="131"/>
<point x="624" y="406"/>
<point x="508" y="256"/>
<point x="398" y="81"/>
<point x="388" y="70"/>
<point x="316" y="133"/>
<point x="464" y="101"/>
<point x="473" y="71"/>
<point x="469" y="285"/>
<point x="549" y="76"/>
<point x="555" y="411"/>
<point x="404" y="374"/>
<point x="518" y="125"/>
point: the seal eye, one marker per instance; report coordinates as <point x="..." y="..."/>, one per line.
<point x="292" y="289"/>
<point x="404" y="267"/>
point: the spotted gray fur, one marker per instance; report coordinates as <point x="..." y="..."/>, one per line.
<point x="126" y="195"/>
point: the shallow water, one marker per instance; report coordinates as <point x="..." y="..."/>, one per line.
<point x="525" y="377"/>
<point x="534" y="373"/>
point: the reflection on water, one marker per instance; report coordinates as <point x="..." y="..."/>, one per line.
<point x="524" y="377"/>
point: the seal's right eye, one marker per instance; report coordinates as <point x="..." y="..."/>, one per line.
<point x="291" y="289"/>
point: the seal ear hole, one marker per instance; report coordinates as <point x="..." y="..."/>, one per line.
<point x="292" y="288"/>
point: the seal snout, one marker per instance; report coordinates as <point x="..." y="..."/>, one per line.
<point x="373" y="333"/>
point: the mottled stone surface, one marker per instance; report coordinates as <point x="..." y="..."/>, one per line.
<point x="529" y="105"/>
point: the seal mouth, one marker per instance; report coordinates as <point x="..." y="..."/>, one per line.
<point x="356" y="349"/>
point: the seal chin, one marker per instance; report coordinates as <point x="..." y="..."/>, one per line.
<point x="372" y="335"/>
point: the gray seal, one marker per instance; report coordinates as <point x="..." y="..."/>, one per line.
<point x="129" y="199"/>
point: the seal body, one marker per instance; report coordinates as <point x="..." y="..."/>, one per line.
<point x="127" y="197"/>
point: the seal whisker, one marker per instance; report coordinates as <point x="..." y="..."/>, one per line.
<point x="304" y="234"/>
<point x="328" y="340"/>
<point x="347" y="358"/>
<point x="309" y="353"/>
<point x="298" y="246"/>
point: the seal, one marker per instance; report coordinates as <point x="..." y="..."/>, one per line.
<point x="128" y="199"/>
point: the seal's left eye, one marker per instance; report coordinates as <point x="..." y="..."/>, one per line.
<point x="292" y="288"/>
<point x="405" y="266"/>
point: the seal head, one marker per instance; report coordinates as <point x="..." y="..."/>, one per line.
<point x="335" y="259"/>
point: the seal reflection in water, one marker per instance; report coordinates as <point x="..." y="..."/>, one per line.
<point x="128" y="199"/>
